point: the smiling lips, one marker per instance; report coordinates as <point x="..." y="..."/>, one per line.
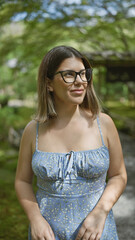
<point x="78" y="91"/>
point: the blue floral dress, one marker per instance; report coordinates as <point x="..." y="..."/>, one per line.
<point x="69" y="187"/>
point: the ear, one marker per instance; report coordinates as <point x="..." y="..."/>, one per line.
<point x="49" y="85"/>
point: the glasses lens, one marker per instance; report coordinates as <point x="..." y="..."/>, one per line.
<point x="83" y="75"/>
<point x="69" y="76"/>
<point x="88" y="74"/>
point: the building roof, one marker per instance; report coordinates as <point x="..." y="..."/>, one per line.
<point x="111" y="58"/>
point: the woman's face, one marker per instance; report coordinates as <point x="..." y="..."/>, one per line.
<point x="69" y="93"/>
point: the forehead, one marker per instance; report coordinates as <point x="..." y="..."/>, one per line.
<point x="72" y="63"/>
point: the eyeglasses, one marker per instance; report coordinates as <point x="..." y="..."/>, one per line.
<point x="69" y="76"/>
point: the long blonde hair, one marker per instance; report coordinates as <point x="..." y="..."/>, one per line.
<point x="47" y="69"/>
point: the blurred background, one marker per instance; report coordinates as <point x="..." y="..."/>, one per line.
<point x="102" y="30"/>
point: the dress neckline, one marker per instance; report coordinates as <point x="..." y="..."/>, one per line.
<point x="75" y="152"/>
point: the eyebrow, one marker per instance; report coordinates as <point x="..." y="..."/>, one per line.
<point x="71" y="70"/>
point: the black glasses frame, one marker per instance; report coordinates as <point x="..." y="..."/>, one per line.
<point x="76" y="73"/>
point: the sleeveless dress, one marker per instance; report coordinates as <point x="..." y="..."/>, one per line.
<point x="69" y="187"/>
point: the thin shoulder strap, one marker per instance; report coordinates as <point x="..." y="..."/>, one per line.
<point x="37" y="135"/>
<point x="98" y="122"/>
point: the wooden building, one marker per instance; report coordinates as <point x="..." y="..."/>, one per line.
<point x="119" y="66"/>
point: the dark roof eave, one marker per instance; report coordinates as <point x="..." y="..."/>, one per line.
<point x="110" y="57"/>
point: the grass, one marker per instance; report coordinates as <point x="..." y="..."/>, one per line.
<point x="13" y="222"/>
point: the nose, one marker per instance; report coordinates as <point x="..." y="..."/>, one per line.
<point x="78" y="79"/>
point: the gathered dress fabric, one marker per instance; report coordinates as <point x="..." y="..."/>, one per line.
<point x="69" y="187"/>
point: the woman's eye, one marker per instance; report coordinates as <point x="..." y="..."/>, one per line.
<point x="68" y="74"/>
<point x="83" y="73"/>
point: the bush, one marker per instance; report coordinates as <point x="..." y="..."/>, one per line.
<point x="13" y="117"/>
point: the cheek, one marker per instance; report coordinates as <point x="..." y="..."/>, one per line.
<point x="60" y="91"/>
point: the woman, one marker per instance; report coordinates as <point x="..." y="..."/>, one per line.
<point x="71" y="147"/>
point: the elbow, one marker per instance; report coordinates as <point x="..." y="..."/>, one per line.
<point x="124" y="179"/>
<point x="120" y="178"/>
<point x="21" y="185"/>
<point x="16" y="185"/>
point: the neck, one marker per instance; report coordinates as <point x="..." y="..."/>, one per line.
<point x="67" y="113"/>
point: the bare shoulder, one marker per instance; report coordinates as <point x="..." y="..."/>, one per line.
<point x="24" y="169"/>
<point x="109" y="127"/>
<point x="29" y="133"/>
<point x="30" y="128"/>
<point x="106" y="121"/>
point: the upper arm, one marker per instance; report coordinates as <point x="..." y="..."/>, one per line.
<point x="117" y="166"/>
<point x="24" y="169"/>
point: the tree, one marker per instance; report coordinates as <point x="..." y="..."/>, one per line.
<point x="30" y="28"/>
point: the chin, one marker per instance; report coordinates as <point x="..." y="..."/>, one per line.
<point x="77" y="101"/>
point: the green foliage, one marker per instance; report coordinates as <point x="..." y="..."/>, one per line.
<point x="123" y="115"/>
<point x="6" y="119"/>
<point x="30" y="28"/>
<point x="120" y="108"/>
<point x="117" y="91"/>
<point x="14" y="117"/>
<point x="4" y="100"/>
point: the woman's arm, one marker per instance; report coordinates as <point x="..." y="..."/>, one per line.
<point x="23" y="185"/>
<point x="117" y="176"/>
<point x="93" y="225"/>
